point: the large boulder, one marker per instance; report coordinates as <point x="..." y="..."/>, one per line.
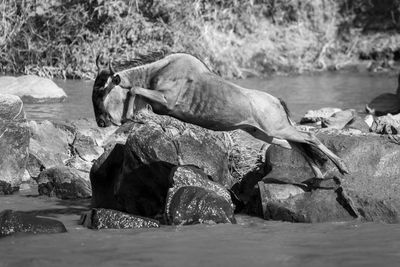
<point x="14" y="144"/>
<point x="12" y="222"/>
<point x="64" y="183"/>
<point x="374" y="171"/>
<point x="73" y="143"/>
<point x="49" y="146"/>
<point x="137" y="180"/>
<point x="287" y="202"/>
<point x="113" y="219"/>
<point x="104" y="174"/>
<point x="32" y="89"/>
<point x="195" y="204"/>
<point x="194" y="198"/>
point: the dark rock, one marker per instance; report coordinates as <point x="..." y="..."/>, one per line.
<point x="137" y="180"/>
<point x="32" y="89"/>
<point x="12" y="222"/>
<point x="104" y="175"/>
<point x="291" y="203"/>
<point x="183" y="176"/>
<point x="112" y="219"/>
<point x="194" y="204"/>
<point x="11" y="108"/>
<point x="7" y="188"/>
<point x="373" y="164"/>
<point x="64" y="183"/>
<point x="188" y="144"/>
<point x="14" y="143"/>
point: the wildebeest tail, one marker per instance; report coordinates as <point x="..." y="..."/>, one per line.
<point x="320" y="154"/>
<point x="287" y="111"/>
<point x="311" y="153"/>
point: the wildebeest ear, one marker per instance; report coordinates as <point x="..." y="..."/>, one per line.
<point x="116" y="79"/>
<point x="101" y="61"/>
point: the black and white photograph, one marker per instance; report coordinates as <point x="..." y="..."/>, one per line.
<point x="199" y="133"/>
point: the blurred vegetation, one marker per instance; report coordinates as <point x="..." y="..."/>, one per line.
<point x="56" y="38"/>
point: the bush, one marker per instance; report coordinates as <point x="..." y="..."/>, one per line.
<point x="56" y="38"/>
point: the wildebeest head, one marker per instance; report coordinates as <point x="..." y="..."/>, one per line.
<point x="111" y="107"/>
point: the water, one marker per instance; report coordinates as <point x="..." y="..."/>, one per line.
<point x="301" y="93"/>
<point x="252" y="242"/>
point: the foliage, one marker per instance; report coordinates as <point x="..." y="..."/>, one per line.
<point x="57" y="38"/>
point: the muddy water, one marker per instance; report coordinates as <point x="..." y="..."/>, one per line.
<point x="251" y="242"/>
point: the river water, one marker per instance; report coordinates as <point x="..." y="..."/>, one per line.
<point x="251" y="242"/>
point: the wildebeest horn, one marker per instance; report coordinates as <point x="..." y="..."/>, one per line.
<point x="110" y="67"/>
<point x="101" y="62"/>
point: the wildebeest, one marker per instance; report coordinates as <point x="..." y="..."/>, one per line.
<point x="182" y="86"/>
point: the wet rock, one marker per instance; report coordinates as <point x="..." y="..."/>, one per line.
<point x="339" y="119"/>
<point x="139" y="180"/>
<point x="112" y="219"/>
<point x="389" y="124"/>
<point x="64" y="183"/>
<point x="188" y="144"/>
<point x="88" y="128"/>
<point x="358" y="123"/>
<point x="104" y="175"/>
<point x="12" y="222"/>
<point x="313" y="116"/>
<point x="14" y="143"/>
<point x="246" y="164"/>
<point x="183" y="176"/>
<point x="32" y="89"/>
<point x="195" y="204"/>
<point x="81" y="166"/>
<point x="191" y="175"/>
<point x="286" y="202"/>
<point x="371" y="159"/>
<point x="86" y="147"/>
<point x="11" y="108"/>
<point x="49" y="145"/>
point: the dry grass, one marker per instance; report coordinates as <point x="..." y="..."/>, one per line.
<point x="57" y="38"/>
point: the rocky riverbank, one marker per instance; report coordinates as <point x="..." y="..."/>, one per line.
<point x="157" y="170"/>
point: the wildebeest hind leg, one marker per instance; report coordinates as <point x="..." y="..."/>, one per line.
<point x="261" y="135"/>
<point x="292" y="134"/>
<point x="315" y="169"/>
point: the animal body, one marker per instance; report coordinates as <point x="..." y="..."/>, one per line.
<point x="385" y="103"/>
<point x="181" y="86"/>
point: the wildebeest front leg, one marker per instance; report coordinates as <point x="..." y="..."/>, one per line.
<point x="152" y="95"/>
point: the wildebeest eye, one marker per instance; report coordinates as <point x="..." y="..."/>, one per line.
<point x="116" y="79"/>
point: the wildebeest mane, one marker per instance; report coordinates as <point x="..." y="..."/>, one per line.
<point x="150" y="57"/>
<point x="285" y="107"/>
